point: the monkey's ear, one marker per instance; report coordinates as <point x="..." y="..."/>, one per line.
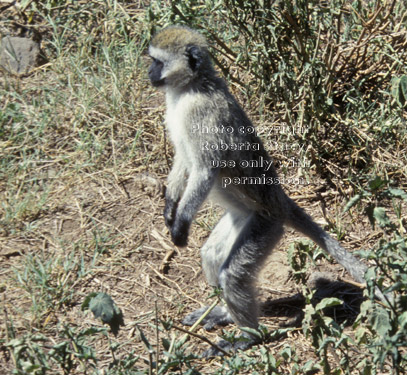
<point x="195" y="57"/>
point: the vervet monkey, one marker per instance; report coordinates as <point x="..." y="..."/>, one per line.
<point x="212" y="135"/>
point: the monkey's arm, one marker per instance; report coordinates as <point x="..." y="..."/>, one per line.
<point x="175" y="187"/>
<point x="198" y="187"/>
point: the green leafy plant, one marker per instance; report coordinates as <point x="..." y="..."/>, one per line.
<point x="314" y="64"/>
<point x="34" y="354"/>
<point x="380" y="326"/>
<point x="103" y="307"/>
<point x="377" y="191"/>
<point x="302" y="254"/>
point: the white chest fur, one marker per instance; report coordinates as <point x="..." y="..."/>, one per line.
<point x="179" y="108"/>
<point x="178" y="121"/>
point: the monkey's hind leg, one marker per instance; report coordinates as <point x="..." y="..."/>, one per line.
<point x="219" y="316"/>
<point x="214" y="253"/>
<point x="238" y="275"/>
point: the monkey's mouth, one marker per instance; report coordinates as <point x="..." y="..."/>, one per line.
<point x="158" y="83"/>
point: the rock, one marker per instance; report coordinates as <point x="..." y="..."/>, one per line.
<point x="19" y="55"/>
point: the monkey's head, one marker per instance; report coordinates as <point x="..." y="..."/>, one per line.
<point x="180" y="55"/>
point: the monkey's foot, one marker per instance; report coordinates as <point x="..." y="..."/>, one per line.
<point x="219" y="316"/>
<point x="243" y="343"/>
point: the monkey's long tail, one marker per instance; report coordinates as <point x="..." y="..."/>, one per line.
<point x="301" y="221"/>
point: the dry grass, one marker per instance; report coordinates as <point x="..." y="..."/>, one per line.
<point x="83" y="164"/>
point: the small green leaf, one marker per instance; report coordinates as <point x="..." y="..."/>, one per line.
<point x="15" y="343"/>
<point x="85" y="304"/>
<point x="145" y="340"/>
<point x="286" y="353"/>
<point x="381" y="322"/>
<point x="366" y="307"/>
<point x="370" y="276"/>
<point x="360" y="334"/>
<point x="354" y="200"/>
<point x="380" y="216"/>
<point x="398" y="193"/>
<point x="376" y="183"/>
<point x="252" y="331"/>
<point x="328" y="302"/>
<point x="103" y="307"/>
<point x="165" y="343"/>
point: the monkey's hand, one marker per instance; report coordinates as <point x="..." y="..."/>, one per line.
<point x="170" y="210"/>
<point x="178" y="226"/>
<point x="179" y="231"/>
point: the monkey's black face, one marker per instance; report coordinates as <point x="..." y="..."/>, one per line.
<point x="154" y="73"/>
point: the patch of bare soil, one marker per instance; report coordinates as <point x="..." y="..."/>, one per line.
<point x="140" y="268"/>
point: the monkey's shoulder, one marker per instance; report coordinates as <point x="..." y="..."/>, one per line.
<point x="192" y="109"/>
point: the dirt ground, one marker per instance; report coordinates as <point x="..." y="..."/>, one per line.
<point x="144" y="273"/>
